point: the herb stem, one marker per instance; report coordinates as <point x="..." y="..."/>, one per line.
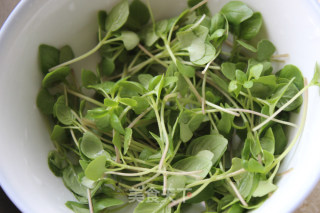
<point x="152" y="56"/>
<point x="222" y="109"/>
<point x="85" y="55"/>
<point x="282" y="107"/>
<point x="85" y="98"/>
<point x="198" y="5"/>
<point x="139" y="117"/>
<point x="89" y="200"/>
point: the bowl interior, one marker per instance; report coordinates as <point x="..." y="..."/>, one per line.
<point x="293" y="26"/>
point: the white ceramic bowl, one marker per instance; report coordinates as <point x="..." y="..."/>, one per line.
<point x="293" y="26"/>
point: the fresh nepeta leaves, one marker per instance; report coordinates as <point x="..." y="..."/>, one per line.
<point x="91" y="145"/>
<point x="138" y="15"/>
<point x="265" y="50"/>
<point x="45" y="101"/>
<point x="66" y="54"/>
<point x="48" y="57"/>
<point x="236" y="12"/>
<point x="88" y="78"/>
<point x="251" y="27"/>
<point x="171" y="106"/>
<point x="117" y="16"/>
<point x="63" y="112"/>
<point x="56" y="76"/>
<point x="130" y="39"/>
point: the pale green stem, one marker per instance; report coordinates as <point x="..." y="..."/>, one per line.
<point x="97" y="47"/>
<point x="91" y="100"/>
<point x="299" y="132"/>
<point x="282" y="108"/>
<point x="221" y="108"/>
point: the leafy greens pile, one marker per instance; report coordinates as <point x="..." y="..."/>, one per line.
<point x="176" y="109"/>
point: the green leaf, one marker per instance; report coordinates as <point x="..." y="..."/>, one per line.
<point x="246" y="184"/>
<point x="128" y="101"/>
<point x="202" y="161"/>
<point x="149" y="36"/>
<point x="268" y="142"/>
<point x="133" y="86"/>
<point x="110" y="103"/>
<point x="251" y="27"/>
<point x="138" y="15"/>
<point x="280" y="138"/>
<point x="154" y="82"/>
<point x="59" y="134"/>
<point x="97" y="112"/>
<point x="267" y="67"/>
<point x="209" y="54"/>
<point x="116" y="123"/>
<point x="185" y="70"/>
<point x="77" y="207"/>
<point x="217" y="34"/>
<point x="268" y="158"/>
<point x="158" y="139"/>
<point x="71" y="180"/>
<point x="254" y="166"/>
<point x="117" y="16"/>
<point x="169" y="80"/>
<point x="290" y="71"/>
<point x="91" y="145"/>
<point x="225" y="123"/>
<point x="66" y="54"/>
<point x="106" y="66"/>
<point x="187" y="37"/>
<point x="235" y="208"/>
<point x="236" y="12"/>
<point x="145" y="79"/>
<point x="104" y="88"/>
<point x="247" y="84"/>
<point x="215" y="143"/>
<point x="142" y="104"/>
<point x="176" y="183"/>
<point x="48" y="57"/>
<point x="291" y="91"/>
<point x="88" y="78"/>
<point x="185" y="132"/>
<point x="103" y="123"/>
<point x="130" y="39"/>
<point x="102" y="16"/>
<point x="264" y="188"/>
<point x="195" y="122"/>
<point x="127" y="140"/>
<point x="153" y="205"/>
<point x="116" y="140"/>
<point x="96" y="168"/>
<point x="56" y="76"/>
<point x="233" y="86"/>
<point x="217" y="22"/>
<point x="247" y="46"/>
<point x="45" y="101"/>
<point x="56" y="163"/>
<point x="63" y="112"/>
<point x="219" y="82"/>
<point x="264" y="86"/>
<point x="255" y="71"/>
<point x="265" y="50"/>
<point x="229" y="70"/>
<point x="103" y="203"/>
